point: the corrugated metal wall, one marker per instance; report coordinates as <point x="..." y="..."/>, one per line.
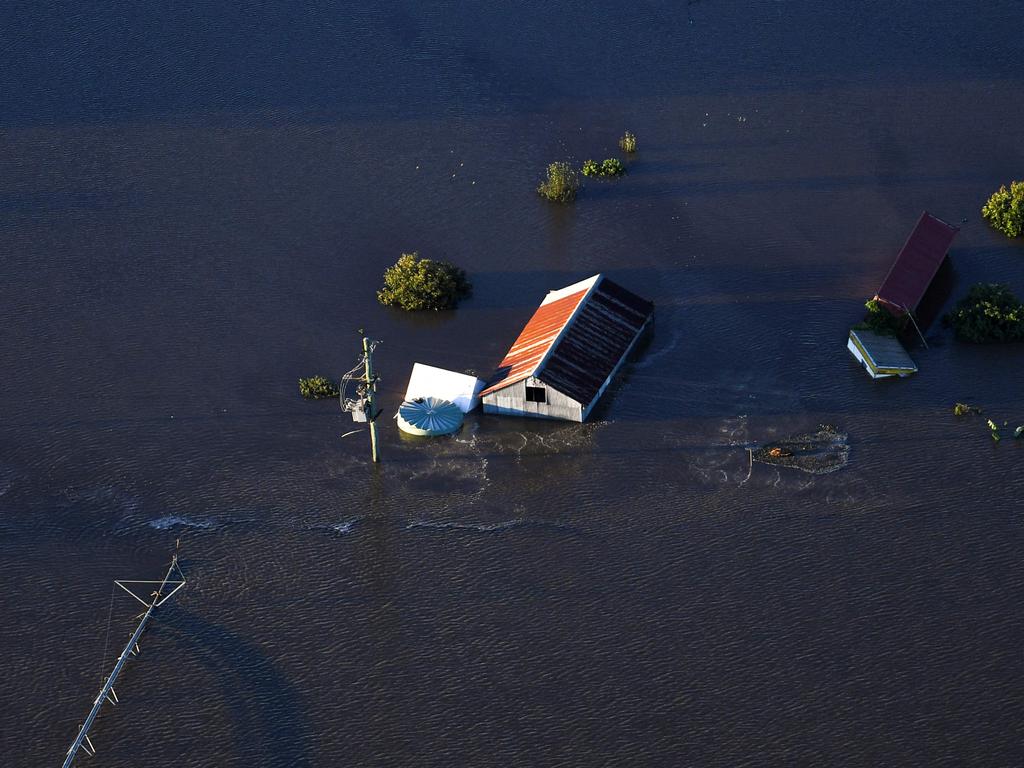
<point x="511" y="401"/>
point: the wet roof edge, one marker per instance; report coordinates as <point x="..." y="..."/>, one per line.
<point x="594" y="281"/>
<point x="551" y="297"/>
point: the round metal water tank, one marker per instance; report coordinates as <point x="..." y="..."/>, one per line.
<point x="430" y="416"/>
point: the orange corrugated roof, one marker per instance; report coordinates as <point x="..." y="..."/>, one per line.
<point x="540" y="333"/>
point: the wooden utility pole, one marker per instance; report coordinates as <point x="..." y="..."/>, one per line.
<point x="371" y="392"/>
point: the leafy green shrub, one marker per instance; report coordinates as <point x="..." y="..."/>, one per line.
<point x="609" y="168"/>
<point x="989" y="312"/>
<point x="628" y="142"/>
<point x="414" y="283"/>
<point x="613" y="167"/>
<point x="562" y="183"/>
<point x="1005" y="209"/>
<point x="317" y="388"/>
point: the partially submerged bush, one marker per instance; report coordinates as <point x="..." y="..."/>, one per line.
<point x="963" y="409"/>
<point x="1005" y="209"/>
<point x="628" y="142"/>
<point x="413" y="283"/>
<point x="609" y="168"/>
<point x="317" y="388"/>
<point x="989" y="312"/>
<point x="562" y="183"/>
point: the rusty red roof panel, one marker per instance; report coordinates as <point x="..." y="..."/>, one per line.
<point x="534" y="342"/>
<point x="573" y="343"/>
<point x="916" y="265"/>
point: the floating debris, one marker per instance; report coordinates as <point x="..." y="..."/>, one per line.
<point x="819" y="452"/>
<point x="964" y="409"/>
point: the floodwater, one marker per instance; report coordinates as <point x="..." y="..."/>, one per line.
<point x="196" y="206"/>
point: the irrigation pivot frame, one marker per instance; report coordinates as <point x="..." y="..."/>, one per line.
<point x="157" y="599"/>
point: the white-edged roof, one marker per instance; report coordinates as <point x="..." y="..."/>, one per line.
<point x="881" y="355"/>
<point x="575" y="339"/>
<point x="459" y="388"/>
<point x="569" y="290"/>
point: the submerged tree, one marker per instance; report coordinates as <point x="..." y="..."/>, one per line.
<point x="989" y="312"/>
<point x="562" y="183"/>
<point x="414" y="283"/>
<point x="628" y="143"/>
<point x="1005" y="209"/>
<point x="609" y="168"/>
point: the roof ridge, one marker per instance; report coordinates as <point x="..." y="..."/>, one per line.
<point x="539" y="367"/>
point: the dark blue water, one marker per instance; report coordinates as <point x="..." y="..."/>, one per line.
<point x="196" y="205"/>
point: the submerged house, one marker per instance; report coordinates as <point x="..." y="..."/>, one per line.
<point x="568" y="352"/>
<point x="881" y="356"/>
<point x="901" y="293"/>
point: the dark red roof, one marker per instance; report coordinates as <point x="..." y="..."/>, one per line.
<point x="915" y="267"/>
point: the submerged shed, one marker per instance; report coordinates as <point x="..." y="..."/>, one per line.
<point x="568" y="352"/>
<point x="901" y="293"/>
<point x="916" y="265"/>
<point x="881" y="356"/>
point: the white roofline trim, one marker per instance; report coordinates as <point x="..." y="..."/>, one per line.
<point x="569" y="290"/>
<point x="590" y="283"/>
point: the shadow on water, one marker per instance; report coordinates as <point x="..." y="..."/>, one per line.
<point x="717" y="187"/>
<point x="561" y="221"/>
<point x="641" y="168"/>
<point x="947" y="283"/>
<point x="935" y="298"/>
<point x="508" y="290"/>
<point x="271" y="727"/>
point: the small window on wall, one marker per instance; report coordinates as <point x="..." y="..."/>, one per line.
<point x="536" y="395"/>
